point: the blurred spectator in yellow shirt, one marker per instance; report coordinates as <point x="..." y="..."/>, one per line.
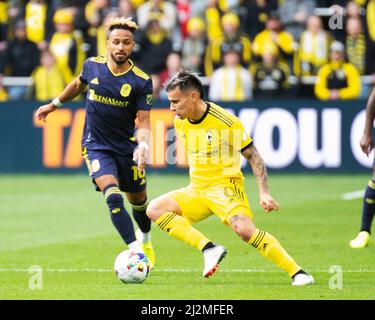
<point x="166" y="10"/>
<point x="48" y="78"/>
<point x="356" y="45"/>
<point x="231" y="81"/>
<point x="270" y="76"/>
<point x="232" y="37"/>
<point x="358" y="53"/>
<point x="338" y="80"/>
<point x="154" y="47"/>
<point x="67" y="45"/>
<point x="194" y="45"/>
<point x="275" y="34"/>
<point x="3" y="25"/>
<point x="313" y="49"/>
<point x="35" y="18"/>
<point x="3" y="91"/>
<point x="213" y="23"/>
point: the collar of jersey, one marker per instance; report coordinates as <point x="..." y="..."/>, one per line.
<point x="203" y="117"/>
<point x="120" y="74"/>
<point x="337" y="64"/>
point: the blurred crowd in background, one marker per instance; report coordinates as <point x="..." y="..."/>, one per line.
<point x="242" y="49"/>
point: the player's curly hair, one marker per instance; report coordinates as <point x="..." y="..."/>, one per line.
<point x="185" y="80"/>
<point x="122" y="23"/>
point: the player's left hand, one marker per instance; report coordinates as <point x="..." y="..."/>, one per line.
<point x="140" y="155"/>
<point x="366" y="143"/>
<point x="267" y="202"/>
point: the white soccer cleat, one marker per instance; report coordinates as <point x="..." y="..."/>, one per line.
<point x="212" y="258"/>
<point x="302" y="279"/>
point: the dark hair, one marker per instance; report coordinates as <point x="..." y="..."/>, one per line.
<point x="185" y="80"/>
<point x="120" y="26"/>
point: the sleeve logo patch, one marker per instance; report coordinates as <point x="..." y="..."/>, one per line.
<point x="149" y="99"/>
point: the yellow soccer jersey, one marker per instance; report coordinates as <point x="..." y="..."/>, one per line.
<point x="213" y="145"/>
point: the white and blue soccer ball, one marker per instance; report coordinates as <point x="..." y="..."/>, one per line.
<point x="132" y="267"/>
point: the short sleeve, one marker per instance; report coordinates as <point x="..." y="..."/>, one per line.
<point x="144" y="98"/>
<point x="239" y="138"/>
<point x="84" y="73"/>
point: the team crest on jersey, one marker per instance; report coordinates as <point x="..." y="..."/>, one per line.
<point x="340" y="74"/>
<point x="149" y="99"/>
<point x="276" y="74"/>
<point x="125" y="90"/>
<point x="209" y="136"/>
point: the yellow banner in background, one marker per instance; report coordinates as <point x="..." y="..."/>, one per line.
<point x="58" y="153"/>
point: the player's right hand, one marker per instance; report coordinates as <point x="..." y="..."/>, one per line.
<point x="43" y="111"/>
<point x="267" y="202"/>
<point x="140" y="155"/>
<point x="366" y="143"/>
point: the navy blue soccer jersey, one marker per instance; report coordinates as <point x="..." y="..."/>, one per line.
<point x="112" y="103"/>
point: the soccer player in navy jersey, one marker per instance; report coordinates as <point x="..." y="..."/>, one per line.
<point x="363" y="237"/>
<point x="118" y="93"/>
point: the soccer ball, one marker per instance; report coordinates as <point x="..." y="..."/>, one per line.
<point x="132" y="267"/>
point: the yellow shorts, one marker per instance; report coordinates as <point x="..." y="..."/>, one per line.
<point x="224" y="200"/>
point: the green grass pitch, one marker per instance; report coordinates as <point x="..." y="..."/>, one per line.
<point x="59" y="223"/>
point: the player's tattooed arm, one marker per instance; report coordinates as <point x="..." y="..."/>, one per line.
<point x="260" y="172"/>
<point x="257" y="164"/>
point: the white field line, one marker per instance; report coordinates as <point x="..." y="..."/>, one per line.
<point x="352" y="195"/>
<point x="180" y="270"/>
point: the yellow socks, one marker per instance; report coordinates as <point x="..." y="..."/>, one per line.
<point x="269" y="247"/>
<point x="180" y="228"/>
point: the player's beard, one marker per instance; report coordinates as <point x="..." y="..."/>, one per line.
<point x="120" y="61"/>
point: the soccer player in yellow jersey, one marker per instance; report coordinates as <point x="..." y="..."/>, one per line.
<point x="214" y="139"/>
